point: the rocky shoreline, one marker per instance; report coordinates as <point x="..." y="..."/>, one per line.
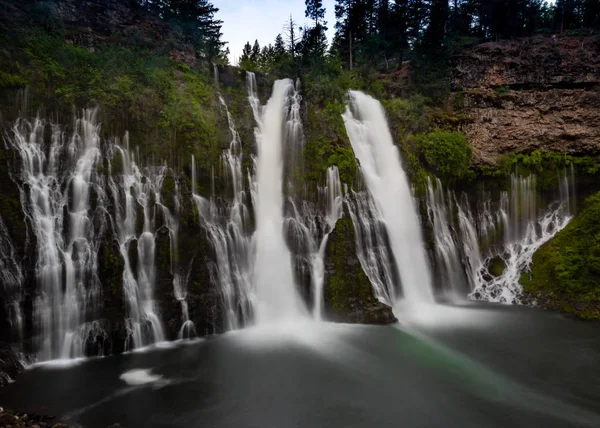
<point x="10" y="418"/>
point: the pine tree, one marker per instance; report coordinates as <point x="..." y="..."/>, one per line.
<point x="279" y="46"/>
<point x="314" y="40"/>
<point x="255" y="54"/>
<point x="315" y="11"/>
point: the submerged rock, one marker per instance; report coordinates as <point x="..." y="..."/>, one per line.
<point x="348" y="293"/>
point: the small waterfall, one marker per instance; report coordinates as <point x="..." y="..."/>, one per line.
<point x="526" y="228"/>
<point x="506" y="231"/>
<point x="470" y="244"/>
<point x="449" y="267"/>
<point x="59" y="176"/>
<point x="11" y="278"/>
<point x="372" y="243"/>
<point x="229" y="234"/>
<point x="334" y="201"/>
<point x="379" y="159"/>
<point x="139" y="195"/>
<point x="276" y="291"/>
<point x="229" y="229"/>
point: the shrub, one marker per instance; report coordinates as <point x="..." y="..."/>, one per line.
<point x="447" y="153"/>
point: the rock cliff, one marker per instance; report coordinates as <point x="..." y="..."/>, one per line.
<point x="536" y="93"/>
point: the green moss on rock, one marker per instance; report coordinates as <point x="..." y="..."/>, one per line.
<point x="110" y="273"/>
<point x="348" y="294"/>
<point x="565" y="274"/>
<point x="496" y="266"/>
<point x="168" y="192"/>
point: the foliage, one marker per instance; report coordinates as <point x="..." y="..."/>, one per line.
<point x="167" y="107"/>
<point x="447" y="153"/>
<point x="566" y="270"/>
<point x="196" y="19"/>
<point x="412" y="115"/>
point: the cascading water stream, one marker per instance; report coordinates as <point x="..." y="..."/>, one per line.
<point x="372" y="244"/>
<point x="136" y="228"/>
<point x="11" y="278"/>
<point x="334" y="210"/>
<point x="526" y="228"/>
<point x="450" y="270"/>
<point x="58" y="203"/>
<point x="276" y="292"/>
<point x="379" y="159"/>
<point x="511" y="229"/>
<point x="229" y="230"/>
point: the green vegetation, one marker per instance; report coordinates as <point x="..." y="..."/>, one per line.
<point x="168" y="107"/>
<point x="548" y="167"/>
<point x="565" y="274"/>
<point x="447" y="153"/>
<point x="496" y="266"/>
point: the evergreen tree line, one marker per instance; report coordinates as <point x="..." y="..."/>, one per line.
<point x="197" y="22"/>
<point x="382" y="33"/>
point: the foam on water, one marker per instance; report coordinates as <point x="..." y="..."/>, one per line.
<point x="137" y="377"/>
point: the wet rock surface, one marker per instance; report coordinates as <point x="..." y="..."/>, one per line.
<point x="348" y="294"/>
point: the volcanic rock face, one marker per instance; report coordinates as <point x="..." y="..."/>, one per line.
<point x="537" y="93"/>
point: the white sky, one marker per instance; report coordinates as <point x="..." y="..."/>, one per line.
<point x="247" y="20"/>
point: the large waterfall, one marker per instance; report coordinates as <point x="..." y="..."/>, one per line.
<point x="270" y="269"/>
<point x="276" y="293"/>
<point x="379" y="159"/>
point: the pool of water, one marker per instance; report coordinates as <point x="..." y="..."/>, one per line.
<point x="475" y="365"/>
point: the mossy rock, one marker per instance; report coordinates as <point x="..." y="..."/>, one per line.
<point x="114" y="311"/>
<point x="169" y="307"/>
<point x="168" y="192"/>
<point x="565" y="273"/>
<point x="205" y="300"/>
<point x="496" y="266"/>
<point x="347" y="292"/>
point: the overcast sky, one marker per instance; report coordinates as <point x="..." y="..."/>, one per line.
<point x="247" y="20"/>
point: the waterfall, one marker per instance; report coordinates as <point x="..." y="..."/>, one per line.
<point x="506" y="231"/>
<point x="276" y="292"/>
<point x="380" y="164"/>
<point x="11" y="277"/>
<point x="526" y="228"/>
<point x="333" y="211"/>
<point x="136" y="227"/>
<point x="372" y="245"/>
<point x="58" y="177"/>
<point x="230" y="232"/>
<point x="450" y="269"/>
